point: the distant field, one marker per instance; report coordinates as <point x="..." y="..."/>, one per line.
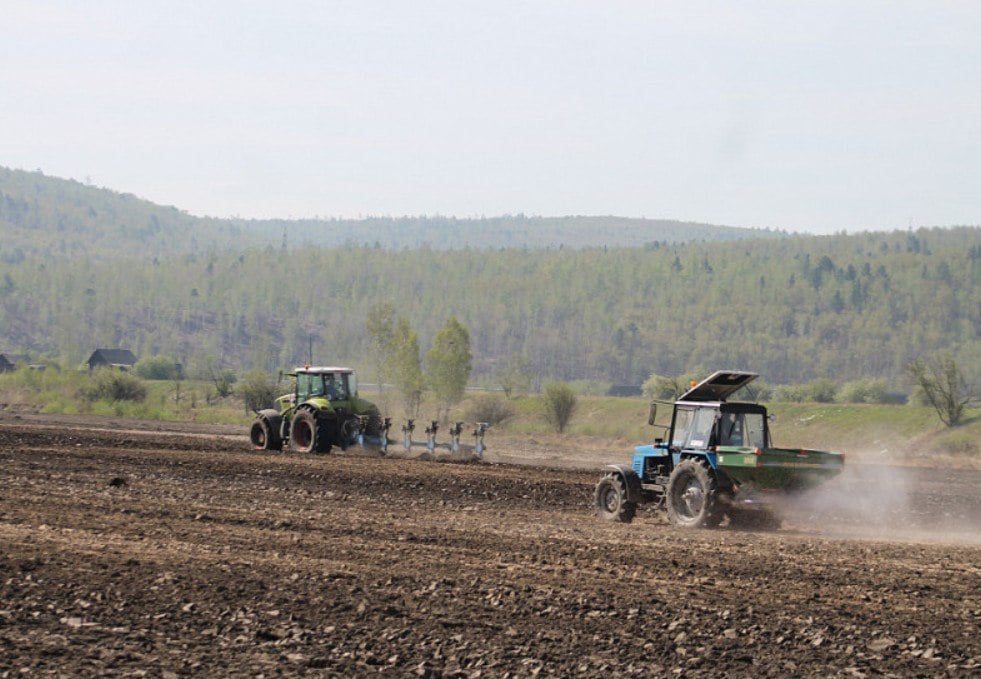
<point x="898" y="434"/>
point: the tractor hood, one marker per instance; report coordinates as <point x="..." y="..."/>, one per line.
<point x="718" y="386"/>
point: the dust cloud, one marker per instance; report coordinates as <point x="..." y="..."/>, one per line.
<point x="893" y="503"/>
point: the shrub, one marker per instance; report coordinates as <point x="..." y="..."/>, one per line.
<point x="559" y="402"/>
<point x="817" y="391"/>
<point x="864" y="391"/>
<point x="258" y="390"/>
<point x="113" y="385"/>
<point x="666" y="388"/>
<point x="489" y="408"/>
<point x="223" y="381"/>
<point x="157" y="368"/>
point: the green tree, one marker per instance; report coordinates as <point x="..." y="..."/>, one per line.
<point x="381" y="331"/>
<point x="559" y="402"/>
<point x="943" y="386"/>
<point x="448" y="364"/>
<point x="405" y="367"/>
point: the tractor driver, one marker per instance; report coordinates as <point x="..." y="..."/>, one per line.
<point x="334" y="388"/>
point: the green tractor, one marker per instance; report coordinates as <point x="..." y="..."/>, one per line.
<point x="323" y="411"/>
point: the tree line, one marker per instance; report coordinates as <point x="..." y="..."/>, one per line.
<point x="843" y="307"/>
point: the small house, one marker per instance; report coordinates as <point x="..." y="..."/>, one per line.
<point x="8" y="362"/>
<point x="121" y="359"/>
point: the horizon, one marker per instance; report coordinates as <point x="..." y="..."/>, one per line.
<point x="476" y="218"/>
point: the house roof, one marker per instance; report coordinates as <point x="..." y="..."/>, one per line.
<point x="14" y="359"/>
<point x="114" y="356"/>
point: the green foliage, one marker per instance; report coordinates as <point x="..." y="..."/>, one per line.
<point x="754" y="392"/>
<point x="224" y="381"/>
<point x="489" y="408"/>
<point x="108" y="384"/>
<point x="943" y="386"/>
<point x="816" y="391"/>
<point x="84" y="268"/>
<point x="406" y="367"/>
<point x="559" y="404"/>
<point x="670" y="388"/>
<point x="515" y="376"/>
<point x="258" y="390"/>
<point x="380" y="327"/>
<point x="864" y="391"/>
<point x="448" y="363"/>
<point x="157" y="368"/>
<point x="664" y="388"/>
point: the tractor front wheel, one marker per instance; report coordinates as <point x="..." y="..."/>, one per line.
<point x="611" y="500"/>
<point x="309" y="433"/>
<point x="692" y="496"/>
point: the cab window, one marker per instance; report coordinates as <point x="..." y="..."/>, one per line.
<point x="701" y="429"/>
<point x="335" y="386"/>
<point x="742" y="429"/>
<point x="682" y="423"/>
<point x="304" y="386"/>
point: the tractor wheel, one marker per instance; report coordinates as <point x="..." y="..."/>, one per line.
<point x="611" y="500"/>
<point x="309" y="433"/>
<point x="692" y="498"/>
<point x="263" y="437"/>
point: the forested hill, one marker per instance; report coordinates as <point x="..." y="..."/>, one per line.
<point x="792" y="309"/>
<point x="509" y="231"/>
<point x="48" y="218"/>
<point x="45" y="218"/>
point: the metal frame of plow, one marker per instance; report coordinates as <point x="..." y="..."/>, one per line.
<point x="453" y="445"/>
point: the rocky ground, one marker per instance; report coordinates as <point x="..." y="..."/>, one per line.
<point x="130" y="552"/>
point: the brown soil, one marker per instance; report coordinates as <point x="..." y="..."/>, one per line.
<point x="131" y="550"/>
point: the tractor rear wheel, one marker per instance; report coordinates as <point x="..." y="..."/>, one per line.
<point x="309" y="433"/>
<point x="692" y="497"/>
<point x="263" y="437"/>
<point x="611" y="500"/>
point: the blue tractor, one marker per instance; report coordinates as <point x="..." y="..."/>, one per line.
<point x="717" y="460"/>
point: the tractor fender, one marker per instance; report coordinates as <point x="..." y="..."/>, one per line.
<point x="271" y="416"/>
<point x="630" y="480"/>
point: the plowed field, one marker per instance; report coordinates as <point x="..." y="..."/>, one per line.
<point x="153" y="553"/>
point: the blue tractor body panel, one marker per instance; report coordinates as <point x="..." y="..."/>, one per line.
<point x="661" y="453"/>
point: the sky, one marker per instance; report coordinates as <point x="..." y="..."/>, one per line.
<point x="807" y="116"/>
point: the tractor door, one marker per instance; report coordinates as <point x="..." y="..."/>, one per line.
<point x="304" y="386"/>
<point x="693" y="427"/>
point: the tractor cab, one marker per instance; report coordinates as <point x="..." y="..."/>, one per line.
<point x="334" y="384"/>
<point x="703" y="426"/>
